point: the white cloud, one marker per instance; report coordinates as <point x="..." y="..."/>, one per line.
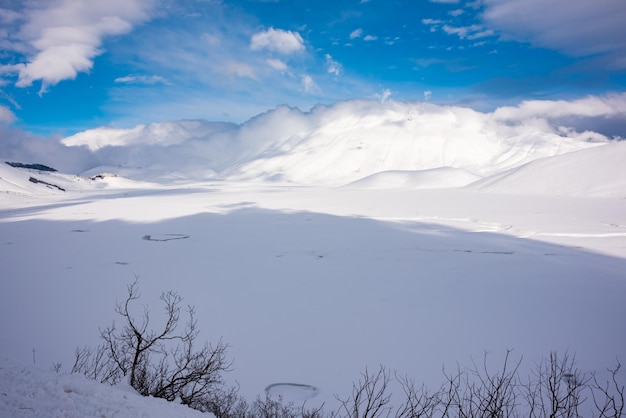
<point x="333" y="67"/>
<point x="277" y="40"/>
<point x="64" y="36"/>
<point x="456" y="13"/>
<point x="276" y="64"/>
<point x="576" y="28"/>
<point x="357" y="33"/>
<point x="141" y="79"/>
<point x="445" y="1"/>
<point x="370" y="38"/>
<point x="427" y="95"/>
<point x="431" y="22"/>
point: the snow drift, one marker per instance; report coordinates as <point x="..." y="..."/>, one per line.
<point x="599" y="171"/>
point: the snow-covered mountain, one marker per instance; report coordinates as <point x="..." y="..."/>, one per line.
<point x="330" y="145"/>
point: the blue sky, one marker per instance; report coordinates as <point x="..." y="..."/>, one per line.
<point x="71" y="65"/>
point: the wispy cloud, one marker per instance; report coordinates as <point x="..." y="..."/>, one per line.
<point x="233" y="68"/>
<point x="6" y="115"/>
<point x="357" y="33"/>
<point x="277" y="40"/>
<point x="383" y="96"/>
<point x="332" y="66"/>
<point x="141" y="79"/>
<point x="468" y="32"/>
<point x="309" y="85"/>
<point x="431" y="21"/>
<point x="370" y="38"/>
<point x="592" y="106"/>
<point x="276" y="64"/>
<point x="63" y="37"/>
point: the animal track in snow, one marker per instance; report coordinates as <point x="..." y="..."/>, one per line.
<point x="164" y="237"/>
<point x="292" y="391"/>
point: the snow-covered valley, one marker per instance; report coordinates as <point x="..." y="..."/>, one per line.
<point x="310" y="282"/>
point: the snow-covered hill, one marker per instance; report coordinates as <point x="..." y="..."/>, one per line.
<point x="597" y="171"/>
<point x="434" y="178"/>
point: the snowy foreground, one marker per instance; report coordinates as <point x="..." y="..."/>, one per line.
<point x="30" y="392"/>
<point x="307" y="285"/>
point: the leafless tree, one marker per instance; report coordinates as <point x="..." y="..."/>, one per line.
<point x="162" y="363"/>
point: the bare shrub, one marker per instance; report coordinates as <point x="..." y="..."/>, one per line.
<point x="166" y="363"/>
<point x="369" y="398"/>
<point x="418" y="402"/>
<point x="479" y="392"/>
<point x="608" y="398"/>
<point x="557" y="388"/>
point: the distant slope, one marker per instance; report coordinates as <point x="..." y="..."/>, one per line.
<point x="18" y="180"/>
<point x="598" y="171"/>
<point x="436" y="178"/>
<point x="28" y="181"/>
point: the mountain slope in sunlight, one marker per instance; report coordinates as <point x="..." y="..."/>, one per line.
<point x="598" y="171"/>
<point x="331" y="145"/>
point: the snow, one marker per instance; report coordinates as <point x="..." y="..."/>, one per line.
<point x="596" y="171"/>
<point x="452" y="233"/>
<point x="436" y="178"/>
<point x="30" y="392"/>
<point x="310" y="285"/>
